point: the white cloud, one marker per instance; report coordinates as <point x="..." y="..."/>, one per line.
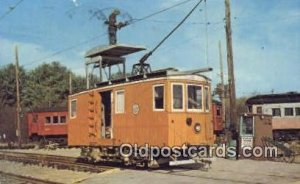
<point x="31" y="55"/>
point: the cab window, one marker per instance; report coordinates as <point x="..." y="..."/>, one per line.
<point x="194" y="97"/>
<point x="158" y="97"/>
<point x="207" y="99"/>
<point x="73" y="109"/>
<point x="177" y="97"/>
<point x="120" y="101"/>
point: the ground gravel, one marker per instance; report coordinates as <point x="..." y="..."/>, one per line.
<point x="45" y="173"/>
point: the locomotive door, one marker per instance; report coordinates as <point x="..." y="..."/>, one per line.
<point x="106" y="114"/>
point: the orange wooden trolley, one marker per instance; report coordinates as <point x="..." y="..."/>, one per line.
<point x="160" y="108"/>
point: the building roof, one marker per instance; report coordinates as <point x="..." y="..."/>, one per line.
<point x="289" y="97"/>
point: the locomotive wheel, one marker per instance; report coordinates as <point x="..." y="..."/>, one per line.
<point x="144" y="164"/>
<point x="289" y="159"/>
<point x="35" y="138"/>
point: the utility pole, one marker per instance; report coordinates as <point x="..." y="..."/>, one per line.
<point x="18" y="110"/>
<point x="222" y="85"/>
<point x="70" y="83"/>
<point x="231" y="81"/>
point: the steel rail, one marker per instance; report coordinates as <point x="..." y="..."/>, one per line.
<point x="57" y="162"/>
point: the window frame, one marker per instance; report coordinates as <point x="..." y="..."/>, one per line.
<point x="60" y="117"/>
<point x="73" y="100"/>
<point x="153" y="97"/>
<point x="296" y="111"/>
<point x="51" y="120"/>
<point x="208" y="99"/>
<point x="116" y="101"/>
<point x="276" y="115"/>
<point x="261" y="109"/>
<point x="57" y="122"/>
<point x="285" y="108"/>
<point x="183" y="97"/>
<point x="187" y="98"/>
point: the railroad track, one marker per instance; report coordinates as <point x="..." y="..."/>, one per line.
<point x="26" y="179"/>
<point x="57" y="162"/>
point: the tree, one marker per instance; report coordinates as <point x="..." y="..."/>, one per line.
<point x="78" y="83"/>
<point x="241" y="105"/>
<point x="8" y="84"/>
<point x="47" y="86"/>
<point x="8" y="100"/>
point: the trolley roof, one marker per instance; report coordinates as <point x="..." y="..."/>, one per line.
<point x="117" y="50"/>
<point x="155" y="74"/>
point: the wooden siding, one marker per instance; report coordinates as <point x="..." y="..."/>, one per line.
<point x="41" y="128"/>
<point x="160" y="128"/>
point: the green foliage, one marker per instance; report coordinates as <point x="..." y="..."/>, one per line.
<point x="8" y="84"/>
<point x="240" y="105"/>
<point x="78" y="83"/>
<point x="45" y="86"/>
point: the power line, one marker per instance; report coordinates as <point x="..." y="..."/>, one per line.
<point x="146" y="56"/>
<point x="11" y="8"/>
<point x="160" y="11"/>
<point x="191" y="23"/>
<point x="179" y="44"/>
<point x="64" y="50"/>
<point x="87" y="41"/>
<point x="178" y="25"/>
<point x="257" y="22"/>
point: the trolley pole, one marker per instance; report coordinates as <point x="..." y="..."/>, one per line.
<point x="231" y="80"/>
<point x="18" y="110"/>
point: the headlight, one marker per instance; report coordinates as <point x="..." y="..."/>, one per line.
<point x="189" y="121"/>
<point x="197" y="127"/>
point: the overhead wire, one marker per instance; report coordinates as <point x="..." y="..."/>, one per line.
<point x="87" y="41"/>
<point x="180" y="44"/>
<point x="64" y="50"/>
<point x="146" y="56"/>
<point x="191" y="23"/>
<point x="11" y="8"/>
<point x="160" y="11"/>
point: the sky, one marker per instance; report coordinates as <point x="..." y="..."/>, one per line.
<point x="265" y="37"/>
